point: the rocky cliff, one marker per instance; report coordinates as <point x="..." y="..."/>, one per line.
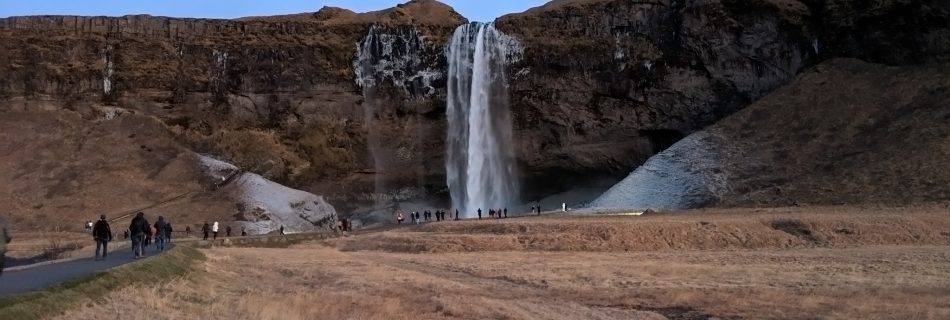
<point x="876" y="135"/>
<point x="602" y="85"/>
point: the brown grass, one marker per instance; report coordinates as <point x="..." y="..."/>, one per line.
<point x="313" y="281"/>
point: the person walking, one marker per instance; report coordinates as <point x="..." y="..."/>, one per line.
<point x="399" y="217"/>
<point x="479" y="213"/>
<point x="102" y="234"/>
<point x="456" y="214"/>
<point x="281" y="230"/>
<point x="168" y="234"/>
<point x="161" y="233"/>
<point x="214" y="230"/>
<point x="4" y="240"/>
<point x="227" y="231"/>
<point x="139" y="229"/>
<point x="206" y="229"/>
<point x="506" y="212"/>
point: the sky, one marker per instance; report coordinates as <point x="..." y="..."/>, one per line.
<point x="475" y="10"/>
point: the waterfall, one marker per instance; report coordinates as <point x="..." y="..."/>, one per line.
<point x="480" y="160"/>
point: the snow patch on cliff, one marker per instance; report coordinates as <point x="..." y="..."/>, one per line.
<point x="264" y="206"/>
<point x="687" y="175"/>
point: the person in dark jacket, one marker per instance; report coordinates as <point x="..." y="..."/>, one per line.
<point x="227" y="231"/>
<point x="102" y="233"/>
<point x="206" y="229"/>
<point x="168" y="234"/>
<point x="161" y="232"/>
<point x="139" y="230"/>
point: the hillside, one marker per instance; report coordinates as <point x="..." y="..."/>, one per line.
<point x="844" y="132"/>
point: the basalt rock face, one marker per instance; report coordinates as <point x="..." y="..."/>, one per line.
<point x="601" y="86"/>
<point x="605" y="84"/>
<point x="274" y="95"/>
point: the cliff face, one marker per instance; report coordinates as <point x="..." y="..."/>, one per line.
<point x="605" y="84"/>
<point x="602" y="85"/>
<point x="274" y="95"/>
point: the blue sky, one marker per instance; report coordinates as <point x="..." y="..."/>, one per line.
<point x="476" y="10"/>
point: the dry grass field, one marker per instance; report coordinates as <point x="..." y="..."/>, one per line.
<point x="834" y="263"/>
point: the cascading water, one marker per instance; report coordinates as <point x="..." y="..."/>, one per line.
<point x="480" y="160"/>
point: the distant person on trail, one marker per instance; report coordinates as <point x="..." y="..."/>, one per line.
<point x="161" y="232"/>
<point x="243" y="232"/>
<point x="506" y="212"/>
<point x="456" y="214"/>
<point x="281" y="229"/>
<point x="149" y="237"/>
<point x="227" y="231"/>
<point x="102" y="234"/>
<point x="139" y="229"/>
<point x="4" y="240"/>
<point x="168" y="234"/>
<point x="214" y="230"/>
<point x="399" y="217"/>
<point x="206" y="229"/>
<point x="479" y="213"/>
<point x="187" y="231"/>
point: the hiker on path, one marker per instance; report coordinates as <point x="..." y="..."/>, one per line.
<point x="399" y="217"/>
<point x="149" y="237"/>
<point x="168" y="234"/>
<point x="456" y="214"/>
<point x="161" y="232"/>
<point x="243" y="232"/>
<point x="206" y="229"/>
<point x="139" y="229"/>
<point x="479" y="213"/>
<point x="506" y="212"/>
<point x="281" y="229"/>
<point x="187" y="231"/>
<point x="102" y="234"/>
<point x="4" y="240"/>
<point x="214" y="230"/>
<point x="227" y="231"/>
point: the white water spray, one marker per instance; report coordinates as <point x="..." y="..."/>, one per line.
<point x="480" y="161"/>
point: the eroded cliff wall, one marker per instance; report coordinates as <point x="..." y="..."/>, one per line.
<point x="602" y="85"/>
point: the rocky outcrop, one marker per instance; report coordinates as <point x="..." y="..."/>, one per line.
<point x="263" y="206"/>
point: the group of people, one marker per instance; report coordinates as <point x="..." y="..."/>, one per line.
<point x="494" y="213"/>
<point x="426" y="216"/>
<point x="440" y="215"/>
<point x="213" y="229"/>
<point x="141" y="232"/>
